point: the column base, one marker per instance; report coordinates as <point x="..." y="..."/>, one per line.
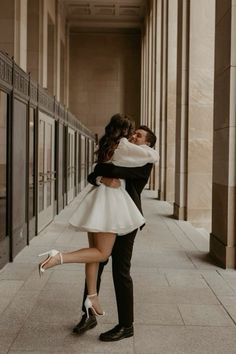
<point x="160" y="196"/>
<point x="224" y="255"/>
<point x="179" y="212"/>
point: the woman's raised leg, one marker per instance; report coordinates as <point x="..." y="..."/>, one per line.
<point x="103" y="246"/>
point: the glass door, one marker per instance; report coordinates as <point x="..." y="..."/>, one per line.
<point x="82" y="162"/>
<point x="71" y="165"/>
<point x="19" y="178"/>
<point x="91" y="155"/>
<point x="31" y="171"/>
<point x="46" y="171"/>
<point x="61" y="166"/>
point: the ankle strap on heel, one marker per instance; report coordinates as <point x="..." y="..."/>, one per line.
<point x="93" y="295"/>
<point x="61" y="258"/>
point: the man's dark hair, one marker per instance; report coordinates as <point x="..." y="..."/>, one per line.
<point x="150" y="137"/>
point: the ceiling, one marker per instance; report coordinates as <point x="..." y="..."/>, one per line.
<point x="104" y="14"/>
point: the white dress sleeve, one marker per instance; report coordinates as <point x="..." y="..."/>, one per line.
<point x="131" y="155"/>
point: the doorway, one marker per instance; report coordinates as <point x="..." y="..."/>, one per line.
<point x="46" y="171"/>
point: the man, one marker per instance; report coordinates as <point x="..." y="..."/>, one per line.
<point x="136" y="179"/>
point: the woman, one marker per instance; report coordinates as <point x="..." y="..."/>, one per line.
<point x="105" y="212"/>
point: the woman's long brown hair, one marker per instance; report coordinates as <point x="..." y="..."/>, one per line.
<point x="120" y="126"/>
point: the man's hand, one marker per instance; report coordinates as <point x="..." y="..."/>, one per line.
<point x="110" y="182"/>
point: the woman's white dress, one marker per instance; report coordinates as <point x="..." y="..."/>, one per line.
<point x="105" y="209"/>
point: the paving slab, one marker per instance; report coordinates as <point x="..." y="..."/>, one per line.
<point x="178" y="279"/>
<point x="184" y="340"/>
<point x="205" y="315"/>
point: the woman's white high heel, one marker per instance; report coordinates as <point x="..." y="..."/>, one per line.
<point x="88" y="305"/>
<point x="50" y="254"/>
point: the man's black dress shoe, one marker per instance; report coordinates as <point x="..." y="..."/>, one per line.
<point x="85" y="324"/>
<point x="117" y="333"/>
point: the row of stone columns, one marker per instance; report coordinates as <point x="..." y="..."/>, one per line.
<point x="188" y="98"/>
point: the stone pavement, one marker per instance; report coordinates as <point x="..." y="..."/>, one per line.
<point x="183" y="302"/>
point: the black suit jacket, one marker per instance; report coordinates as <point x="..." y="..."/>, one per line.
<point x="136" y="178"/>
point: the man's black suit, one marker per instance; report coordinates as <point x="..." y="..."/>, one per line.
<point x="136" y="179"/>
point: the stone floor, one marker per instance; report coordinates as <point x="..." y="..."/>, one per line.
<point x="183" y="302"/>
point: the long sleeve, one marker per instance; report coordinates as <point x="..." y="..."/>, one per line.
<point x="130" y="155"/>
<point x="112" y="171"/>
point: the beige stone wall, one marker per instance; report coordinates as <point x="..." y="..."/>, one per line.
<point x="7" y="26"/>
<point x="51" y="9"/>
<point x="13" y="30"/>
<point x="104" y="77"/>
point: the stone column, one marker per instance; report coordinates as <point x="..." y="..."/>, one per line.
<point x="171" y="99"/>
<point x="33" y="38"/>
<point x="20" y="33"/>
<point x="180" y="204"/>
<point x="152" y="124"/>
<point x="44" y="51"/>
<point x="67" y="63"/>
<point x="144" y="75"/>
<point x="58" y="49"/>
<point x="163" y="101"/>
<point x="223" y="236"/>
<point x="157" y="97"/>
<point x="153" y="89"/>
<point x="150" y="118"/>
<point x="150" y="67"/>
<point x="200" y="117"/>
<point x="62" y="36"/>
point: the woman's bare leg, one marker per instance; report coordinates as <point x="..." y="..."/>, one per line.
<point x="102" y="250"/>
<point x="91" y="271"/>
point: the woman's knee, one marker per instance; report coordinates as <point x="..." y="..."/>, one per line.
<point x="104" y="243"/>
<point x="105" y="255"/>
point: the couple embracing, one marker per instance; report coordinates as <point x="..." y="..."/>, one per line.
<point x="109" y="210"/>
